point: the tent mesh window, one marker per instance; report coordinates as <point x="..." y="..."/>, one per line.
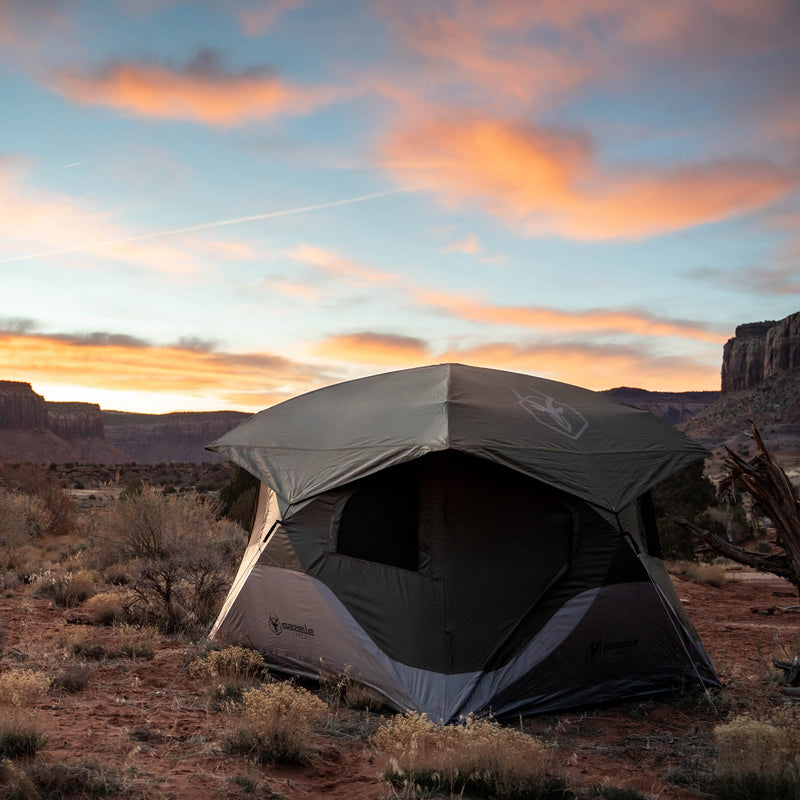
<point x="380" y="520"/>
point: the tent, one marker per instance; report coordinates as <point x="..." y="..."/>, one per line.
<point x="463" y="540"/>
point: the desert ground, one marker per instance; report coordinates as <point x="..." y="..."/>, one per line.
<point x="150" y="722"/>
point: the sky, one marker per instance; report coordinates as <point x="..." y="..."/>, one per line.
<point x="223" y="204"/>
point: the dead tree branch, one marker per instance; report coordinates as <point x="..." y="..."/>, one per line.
<point x="772" y="491"/>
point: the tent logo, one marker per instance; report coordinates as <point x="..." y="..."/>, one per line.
<point x="279" y="627"/>
<point x="552" y="414"/>
<point x="597" y="647"/>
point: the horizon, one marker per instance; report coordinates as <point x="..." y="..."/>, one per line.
<point x="213" y="207"/>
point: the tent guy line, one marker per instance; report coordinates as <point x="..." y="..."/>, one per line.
<point x="206" y="225"/>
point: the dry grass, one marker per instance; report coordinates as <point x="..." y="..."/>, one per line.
<point x="106" y="608"/>
<point x="23" y="688"/>
<point x="700" y="572"/>
<point x="477" y="756"/>
<point x="66" y="588"/>
<point x="279" y="719"/>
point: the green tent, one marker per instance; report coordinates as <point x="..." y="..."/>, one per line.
<point x="462" y="540"/>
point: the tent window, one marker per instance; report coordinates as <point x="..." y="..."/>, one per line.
<point x="380" y="519"/>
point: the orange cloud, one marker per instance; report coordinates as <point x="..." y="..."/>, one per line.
<point x="597" y="321"/>
<point x="595" y="368"/>
<point x="120" y="364"/>
<point x="201" y="92"/>
<point x="341" y="268"/>
<point x="374" y="348"/>
<point x="545" y="182"/>
<point x="469" y="245"/>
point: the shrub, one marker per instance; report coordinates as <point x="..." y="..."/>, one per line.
<point x="105" y="608"/>
<point x="476" y="757"/>
<point x="137" y="642"/>
<point x="752" y="786"/>
<point x="184" y="556"/>
<point x="761" y="746"/>
<point x="35" y="481"/>
<point x="19" y="741"/>
<point x="230" y="671"/>
<point x="23" y="687"/>
<point x="67" y="589"/>
<point x="22" y="518"/>
<point x="72" y="678"/>
<point x="278" y="720"/>
<point x="699" y="572"/>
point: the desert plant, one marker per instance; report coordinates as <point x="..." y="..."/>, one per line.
<point x="66" y="588"/>
<point x="700" y="572"/>
<point x="229" y="671"/>
<point x="752" y="786"/>
<point x="136" y="641"/>
<point x="19" y="740"/>
<point x="35" y="481"/>
<point x="278" y="721"/>
<point x="106" y="608"/>
<point x="72" y="678"/>
<point x="22" y="688"/>
<point x="185" y="556"/>
<point x="22" y="518"/>
<point x="475" y="756"/>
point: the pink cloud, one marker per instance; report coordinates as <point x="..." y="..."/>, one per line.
<point x="547" y="182"/>
<point x="202" y="92"/>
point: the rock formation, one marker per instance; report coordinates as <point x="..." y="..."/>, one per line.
<point x="31" y="429"/>
<point x="760" y="350"/>
<point x="20" y="407"/>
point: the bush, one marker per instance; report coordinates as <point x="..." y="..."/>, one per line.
<point x="475" y="757"/>
<point x="22" y="518"/>
<point x="710" y="574"/>
<point x="184" y="557"/>
<point x="105" y="608"/>
<point x="22" y="688"/>
<point x="746" y="745"/>
<point x="35" y="481"/>
<point x="19" y="741"/>
<point x="66" y="589"/>
<point x="687" y="493"/>
<point x="278" y="720"/>
<point x="73" y="678"/>
<point x="137" y="642"/>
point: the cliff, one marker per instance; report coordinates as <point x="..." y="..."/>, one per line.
<point x="760" y="350"/>
<point x="673" y="407"/>
<point x="164" y="438"/>
<point x="31" y="429"/>
<point x="20" y="407"/>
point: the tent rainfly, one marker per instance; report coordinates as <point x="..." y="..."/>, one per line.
<point x="463" y="540"/>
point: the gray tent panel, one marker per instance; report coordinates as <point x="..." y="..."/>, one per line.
<point x="568" y="437"/>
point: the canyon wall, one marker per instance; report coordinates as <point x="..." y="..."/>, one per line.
<point x="760" y="350"/>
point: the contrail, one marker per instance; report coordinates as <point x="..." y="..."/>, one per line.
<point x="205" y="225"/>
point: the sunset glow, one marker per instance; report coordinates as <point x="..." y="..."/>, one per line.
<point x="220" y="206"/>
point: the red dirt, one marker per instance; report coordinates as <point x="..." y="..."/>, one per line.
<point x="153" y="718"/>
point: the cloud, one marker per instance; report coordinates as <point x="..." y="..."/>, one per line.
<point x="112" y="362"/>
<point x="257" y="20"/>
<point x="203" y="91"/>
<point x="594" y="367"/>
<point x="598" y="322"/>
<point x="368" y="347"/>
<point x="546" y="181"/>
<point x="343" y="269"/>
<point x="469" y="245"/>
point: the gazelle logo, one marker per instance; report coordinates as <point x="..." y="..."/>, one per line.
<point x="275" y="624"/>
<point x="552" y="414"/>
<point x="279" y="627"/>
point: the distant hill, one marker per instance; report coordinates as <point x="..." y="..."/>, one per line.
<point x="164" y="438"/>
<point x="673" y="407"/>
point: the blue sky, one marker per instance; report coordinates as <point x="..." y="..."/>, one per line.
<point x="211" y="205"/>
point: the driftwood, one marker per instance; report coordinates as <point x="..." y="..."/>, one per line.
<point x="772" y="491"/>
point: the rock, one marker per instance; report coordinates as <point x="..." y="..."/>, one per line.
<point x="73" y="617"/>
<point x="760" y="350"/>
